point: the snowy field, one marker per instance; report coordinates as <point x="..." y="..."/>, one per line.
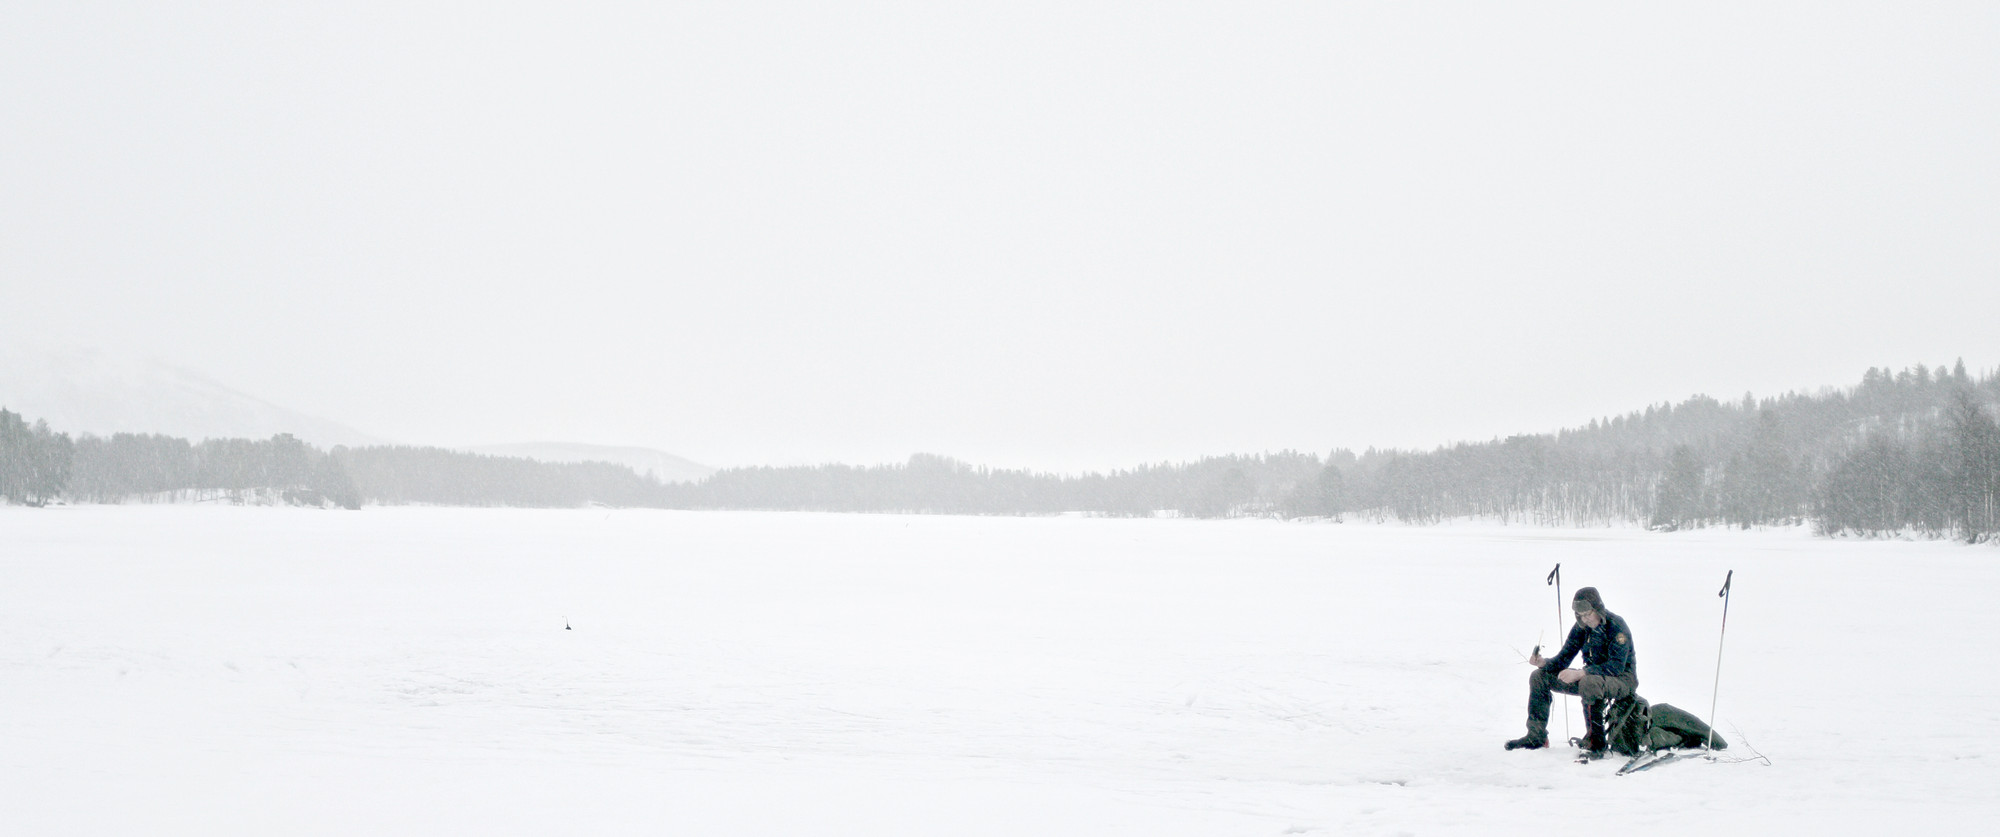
<point x="217" y="670"/>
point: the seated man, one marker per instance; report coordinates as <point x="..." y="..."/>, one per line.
<point x="1610" y="672"/>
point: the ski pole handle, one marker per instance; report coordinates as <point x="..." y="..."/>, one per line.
<point x="1725" y="584"/>
<point x="1556" y="575"/>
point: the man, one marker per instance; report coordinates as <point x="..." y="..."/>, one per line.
<point x="1610" y="672"/>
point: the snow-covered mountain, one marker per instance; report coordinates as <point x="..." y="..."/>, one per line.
<point x="79" y="391"/>
<point x="666" y="466"/>
<point x="82" y="391"/>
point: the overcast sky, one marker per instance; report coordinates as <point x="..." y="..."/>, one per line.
<point x="1053" y="235"/>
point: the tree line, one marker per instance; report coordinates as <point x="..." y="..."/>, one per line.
<point x="39" y="465"/>
<point x="398" y="474"/>
<point x="1289" y="484"/>
<point x="34" y="461"/>
<point x="128" y="466"/>
<point x="1911" y="451"/>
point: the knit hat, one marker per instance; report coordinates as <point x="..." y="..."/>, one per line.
<point x="1588" y="595"/>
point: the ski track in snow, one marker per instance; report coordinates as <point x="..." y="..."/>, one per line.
<point x="216" y="670"/>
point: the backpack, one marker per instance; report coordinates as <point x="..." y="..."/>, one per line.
<point x="1676" y="727"/>
<point x="1628" y="724"/>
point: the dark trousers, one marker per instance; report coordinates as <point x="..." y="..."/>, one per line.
<point x="1593" y="688"/>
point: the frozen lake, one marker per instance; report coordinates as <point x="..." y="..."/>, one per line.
<point x="220" y="670"/>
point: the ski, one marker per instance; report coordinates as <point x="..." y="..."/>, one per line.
<point x="1640" y="762"/>
<point x="1648" y="761"/>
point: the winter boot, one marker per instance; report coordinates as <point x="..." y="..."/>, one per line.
<point x="1534" y="740"/>
<point x="1592" y="743"/>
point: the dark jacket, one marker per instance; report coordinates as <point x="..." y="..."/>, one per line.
<point x="1607" y="649"/>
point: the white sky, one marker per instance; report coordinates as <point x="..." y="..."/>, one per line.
<point x="1052" y="235"/>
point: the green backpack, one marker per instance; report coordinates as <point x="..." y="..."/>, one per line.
<point x="1633" y="726"/>
<point x="1627" y="724"/>
<point x="1676" y="727"/>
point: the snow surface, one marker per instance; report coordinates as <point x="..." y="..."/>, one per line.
<point x="223" y="670"/>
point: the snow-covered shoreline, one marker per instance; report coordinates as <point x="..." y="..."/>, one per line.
<point x="213" y="669"/>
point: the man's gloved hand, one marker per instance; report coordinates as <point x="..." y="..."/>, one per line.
<point x="1570" y="675"/>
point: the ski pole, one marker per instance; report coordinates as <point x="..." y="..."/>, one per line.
<point x="1556" y="578"/>
<point x="1724" y="595"/>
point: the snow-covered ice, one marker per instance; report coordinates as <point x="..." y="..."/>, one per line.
<point x="224" y="670"/>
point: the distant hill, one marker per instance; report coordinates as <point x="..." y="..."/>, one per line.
<point x="666" y="466"/>
<point x="82" y="391"/>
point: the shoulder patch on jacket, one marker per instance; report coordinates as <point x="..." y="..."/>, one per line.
<point x="1621" y="639"/>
